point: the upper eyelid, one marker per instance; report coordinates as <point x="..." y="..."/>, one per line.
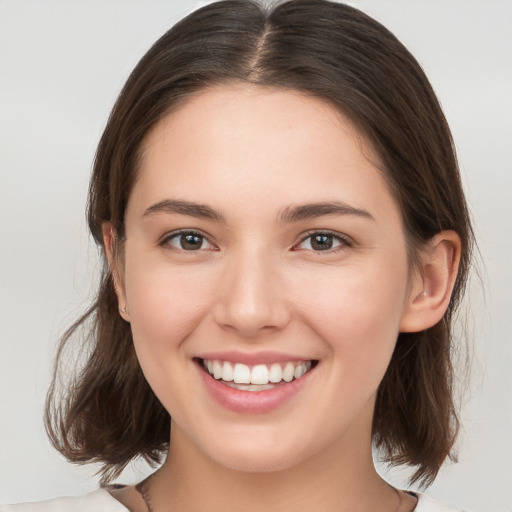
<point x="302" y="237"/>
<point x="190" y="231"/>
<point x="341" y="236"/>
<point x="345" y="242"/>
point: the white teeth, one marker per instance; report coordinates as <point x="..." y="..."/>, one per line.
<point x="241" y="374"/>
<point x="249" y="387"/>
<point x="227" y="371"/>
<point x="257" y="378"/>
<point x="259" y="374"/>
<point x="288" y="372"/>
<point x="300" y="370"/>
<point x="217" y="370"/>
<point x="275" y="373"/>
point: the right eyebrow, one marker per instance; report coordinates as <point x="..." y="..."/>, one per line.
<point x="189" y="208"/>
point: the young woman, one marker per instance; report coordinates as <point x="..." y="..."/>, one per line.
<point x="286" y="240"/>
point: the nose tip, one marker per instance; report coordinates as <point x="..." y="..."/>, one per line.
<point x="249" y="323"/>
<point x="252" y="302"/>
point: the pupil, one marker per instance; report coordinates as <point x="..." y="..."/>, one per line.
<point x="191" y="242"/>
<point x="321" y="242"/>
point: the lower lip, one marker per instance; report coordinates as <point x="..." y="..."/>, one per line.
<point x="252" y="402"/>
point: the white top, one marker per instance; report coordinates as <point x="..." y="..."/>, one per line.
<point x="101" y="501"/>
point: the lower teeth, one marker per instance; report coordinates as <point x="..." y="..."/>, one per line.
<point x="248" y="387"/>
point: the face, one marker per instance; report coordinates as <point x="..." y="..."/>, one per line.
<point x="263" y="246"/>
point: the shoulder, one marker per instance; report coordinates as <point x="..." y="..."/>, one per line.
<point x="101" y="501"/>
<point x="427" y="504"/>
<point x="96" y="501"/>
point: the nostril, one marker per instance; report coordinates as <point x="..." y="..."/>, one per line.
<point x="251" y="307"/>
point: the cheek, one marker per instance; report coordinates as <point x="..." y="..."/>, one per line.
<point x="166" y="308"/>
<point x="165" y="304"/>
<point x="357" y="311"/>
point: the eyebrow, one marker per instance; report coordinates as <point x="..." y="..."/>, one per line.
<point x="313" y="210"/>
<point x="288" y="215"/>
<point x="189" y="208"/>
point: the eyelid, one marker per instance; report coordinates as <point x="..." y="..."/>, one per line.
<point x="168" y="236"/>
<point x="345" y="240"/>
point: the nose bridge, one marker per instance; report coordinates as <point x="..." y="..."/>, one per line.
<point x="251" y="299"/>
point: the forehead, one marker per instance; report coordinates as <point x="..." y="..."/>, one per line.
<point x="243" y="142"/>
<point x="242" y="110"/>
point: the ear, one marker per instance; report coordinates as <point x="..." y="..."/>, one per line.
<point x="109" y="236"/>
<point x="432" y="284"/>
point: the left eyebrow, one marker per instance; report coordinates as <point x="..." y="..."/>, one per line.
<point x="313" y="210"/>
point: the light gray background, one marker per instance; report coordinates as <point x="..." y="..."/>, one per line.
<point x="62" y="64"/>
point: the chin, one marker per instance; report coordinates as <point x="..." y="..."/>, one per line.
<point x="257" y="462"/>
<point x="261" y="455"/>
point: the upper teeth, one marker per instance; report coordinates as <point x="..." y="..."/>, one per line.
<point x="258" y="374"/>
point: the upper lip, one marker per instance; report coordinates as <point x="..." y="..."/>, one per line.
<point x="251" y="359"/>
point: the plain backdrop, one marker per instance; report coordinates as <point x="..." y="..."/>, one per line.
<point x="62" y="64"/>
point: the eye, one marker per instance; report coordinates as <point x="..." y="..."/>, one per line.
<point x="188" y="241"/>
<point x="320" y="241"/>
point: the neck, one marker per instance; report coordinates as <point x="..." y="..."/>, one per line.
<point x="340" y="479"/>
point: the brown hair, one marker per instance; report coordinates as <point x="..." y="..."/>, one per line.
<point x="330" y="51"/>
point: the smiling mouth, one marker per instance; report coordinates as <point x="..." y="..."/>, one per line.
<point x="259" y="377"/>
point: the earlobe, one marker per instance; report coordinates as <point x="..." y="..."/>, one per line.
<point x="109" y="236"/>
<point x="432" y="284"/>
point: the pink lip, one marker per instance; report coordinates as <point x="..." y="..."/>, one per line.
<point x="251" y="359"/>
<point x="251" y="402"/>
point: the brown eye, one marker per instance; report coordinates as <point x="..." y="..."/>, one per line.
<point x="322" y="242"/>
<point x="188" y="241"/>
<point x="191" y="242"/>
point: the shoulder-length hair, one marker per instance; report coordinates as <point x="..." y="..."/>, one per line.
<point x="330" y="51"/>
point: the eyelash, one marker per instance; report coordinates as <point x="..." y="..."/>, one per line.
<point x="343" y="241"/>
<point x="189" y="232"/>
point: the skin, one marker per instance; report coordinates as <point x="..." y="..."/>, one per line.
<point x="258" y="284"/>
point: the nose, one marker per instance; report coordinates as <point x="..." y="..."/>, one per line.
<point x="252" y="299"/>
